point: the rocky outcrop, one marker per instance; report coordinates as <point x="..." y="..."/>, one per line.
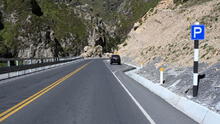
<point x="92" y="51"/>
<point x="46" y="45"/>
<point x="99" y="31"/>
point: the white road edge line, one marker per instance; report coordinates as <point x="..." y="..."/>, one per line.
<point x="132" y="97"/>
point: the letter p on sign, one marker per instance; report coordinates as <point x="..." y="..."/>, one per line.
<point x="197" y="32"/>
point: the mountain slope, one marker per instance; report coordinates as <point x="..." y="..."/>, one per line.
<point x="36" y="29"/>
<point x="47" y="28"/>
<point x="165" y="33"/>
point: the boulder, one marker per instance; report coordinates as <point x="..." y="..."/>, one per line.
<point x="92" y="51"/>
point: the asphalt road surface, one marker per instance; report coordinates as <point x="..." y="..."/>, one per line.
<point x="84" y="92"/>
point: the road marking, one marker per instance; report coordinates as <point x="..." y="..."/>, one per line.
<point x="27" y="101"/>
<point x="132" y="97"/>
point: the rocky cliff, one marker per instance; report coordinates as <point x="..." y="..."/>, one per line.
<point x="51" y="28"/>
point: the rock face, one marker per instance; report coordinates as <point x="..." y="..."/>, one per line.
<point x="52" y="28"/>
<point x="93" y="51"/>
<point x="46" y="46"/>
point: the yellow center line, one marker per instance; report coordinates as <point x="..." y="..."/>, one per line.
<point x="27" y="101"/>
<point x="2" y="114"/>
<point x="5" y="112"/>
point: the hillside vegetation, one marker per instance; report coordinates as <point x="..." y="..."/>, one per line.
<point x="47" y="28"/>
<point x="26" y="19"/>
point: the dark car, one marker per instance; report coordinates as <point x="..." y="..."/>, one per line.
<point x="115" y="59"/>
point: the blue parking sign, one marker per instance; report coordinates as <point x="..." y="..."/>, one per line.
<point x="197" y="32"/>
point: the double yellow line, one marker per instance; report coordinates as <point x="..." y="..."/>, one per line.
<point x="30" y="99"/>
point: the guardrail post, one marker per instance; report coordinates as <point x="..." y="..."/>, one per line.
<point x="9" y="64"/>
<point x="30" y="64"/>
<point x="17" y="64"/>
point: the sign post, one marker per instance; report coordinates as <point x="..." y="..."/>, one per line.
<point x="197" y="33"/>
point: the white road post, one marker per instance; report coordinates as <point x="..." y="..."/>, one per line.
<point x="142" y="64"/>
<point x="161" y="75"/>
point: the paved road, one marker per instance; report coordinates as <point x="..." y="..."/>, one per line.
<point x="82" y="93"/>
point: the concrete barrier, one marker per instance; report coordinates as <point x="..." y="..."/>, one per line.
<point x="211" y="118"/>
<point x="3" y="76"/>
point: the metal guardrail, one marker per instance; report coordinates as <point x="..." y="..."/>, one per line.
<point x="17" y="64"/>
